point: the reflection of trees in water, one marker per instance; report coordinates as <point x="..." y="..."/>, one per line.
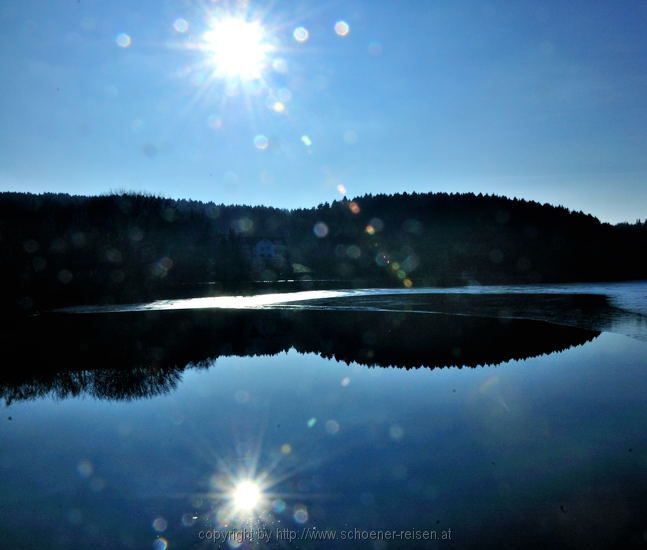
<point x="124" y="384"/>
<point x="128" y="356"/>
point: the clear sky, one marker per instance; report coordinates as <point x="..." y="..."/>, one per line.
<point x="542" y="100"/>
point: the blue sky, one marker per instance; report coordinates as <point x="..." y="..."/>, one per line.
<point x="541" y="100"/>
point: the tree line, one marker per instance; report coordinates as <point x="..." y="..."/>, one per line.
<point x="58" y="249"/>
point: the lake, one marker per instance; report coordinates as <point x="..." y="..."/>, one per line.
<point x="475" y="417"/>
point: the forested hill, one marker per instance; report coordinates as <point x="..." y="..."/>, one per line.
<point x="58" y="249"/>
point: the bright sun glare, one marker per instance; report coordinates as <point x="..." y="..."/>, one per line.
<point x="237" y="48"/>
<point x="246" y="496"/>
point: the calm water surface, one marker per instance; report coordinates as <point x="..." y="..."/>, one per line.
<point x="137" y="431"/>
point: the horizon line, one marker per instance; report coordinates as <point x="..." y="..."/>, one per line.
<point x="159" y="195"/>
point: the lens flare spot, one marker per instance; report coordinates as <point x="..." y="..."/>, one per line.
<point x="396" y="432"/>
<point x="332" y="427"/>
<point x="123" y="40"/>
<point x="377" y="224"/>
<point x="300" y="514"/>
<point x="261" y="142"/>
<point x="85" y="468"/>
<point x="280" y="65"/>
<point x="342" y="28"/>
<point x="353" y="252"/>
<point x="320" y="230"/>
<point x="214" y="122"/>
<point x="181" y="25"/>
<point x="301" y="34"/>
<point x="160" y="524"/>
<point x="278" y="505"/>
<point x="306" y="140"/>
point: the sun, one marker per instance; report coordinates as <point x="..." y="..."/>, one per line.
<point x="246" y="496"/>
<point x="237" y="48"/>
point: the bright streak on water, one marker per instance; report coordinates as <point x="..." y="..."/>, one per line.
<point x="218" y="302"/>
<point x="630" y="296"/>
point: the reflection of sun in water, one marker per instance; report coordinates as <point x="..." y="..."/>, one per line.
<point x="242" y="495"/>
<point x="240" y="499"/>
<point x="237" y="48"/>
<point x="246" y="496"/>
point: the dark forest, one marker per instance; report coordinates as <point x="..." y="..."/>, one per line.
<point x="59" y="249"/>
